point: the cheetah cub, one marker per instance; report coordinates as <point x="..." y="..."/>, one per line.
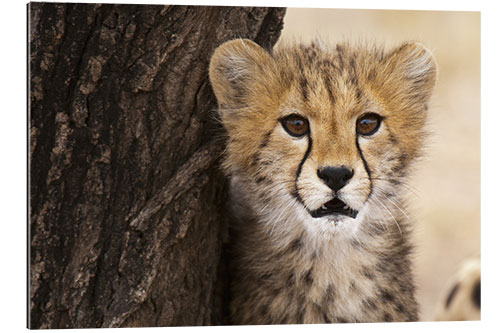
<point x="463" y="300"/>
<point x="320" y="141"/>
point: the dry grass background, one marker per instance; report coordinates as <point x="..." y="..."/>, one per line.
<point x="446" y="209"/>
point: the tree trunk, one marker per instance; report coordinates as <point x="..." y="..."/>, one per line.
<point x="126" y="201"/>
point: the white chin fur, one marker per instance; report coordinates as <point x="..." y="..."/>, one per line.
<point x="333" y="225"/>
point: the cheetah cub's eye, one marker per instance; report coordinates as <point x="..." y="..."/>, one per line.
<point x="368" y="124"/>
<point x="295" y="125"/>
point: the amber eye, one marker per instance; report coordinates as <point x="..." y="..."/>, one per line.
<point x="368" y="124"/>
<point x="295" y="125"/>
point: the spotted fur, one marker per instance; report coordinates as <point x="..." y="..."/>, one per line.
<point x="290" y="267"/>
<point x="462" y="300"/>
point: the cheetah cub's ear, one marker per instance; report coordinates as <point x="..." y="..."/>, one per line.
<point x="411" y="71"/>
<point x="233" y="67"/>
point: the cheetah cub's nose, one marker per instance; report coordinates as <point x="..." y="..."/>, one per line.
<point x="335" y="177"/>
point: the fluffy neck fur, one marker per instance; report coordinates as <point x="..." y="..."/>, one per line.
<point x="283" y="273"/>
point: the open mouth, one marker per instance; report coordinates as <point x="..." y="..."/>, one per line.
<point x="334" y="207"/>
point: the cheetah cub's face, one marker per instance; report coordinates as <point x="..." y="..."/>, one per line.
<point x="323" y="134"/>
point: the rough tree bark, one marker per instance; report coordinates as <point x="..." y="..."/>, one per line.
<point x="126" y="201"/>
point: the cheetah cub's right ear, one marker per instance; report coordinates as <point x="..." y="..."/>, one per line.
<point x="233" y="67"/>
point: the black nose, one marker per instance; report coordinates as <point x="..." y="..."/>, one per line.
<point x="335" y="177"/>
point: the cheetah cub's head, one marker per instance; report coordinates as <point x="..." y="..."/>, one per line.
<point x="323" y="134"/>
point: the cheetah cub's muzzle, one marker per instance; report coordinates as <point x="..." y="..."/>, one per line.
<point x="335" y="178"/>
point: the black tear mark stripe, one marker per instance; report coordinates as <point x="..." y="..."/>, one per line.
<point x="365" y="164"/>
<point x="299" y="169"/>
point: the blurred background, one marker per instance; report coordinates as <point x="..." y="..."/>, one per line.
<point x="446" y="205"/>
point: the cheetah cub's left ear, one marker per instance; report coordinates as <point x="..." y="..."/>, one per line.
<point x="412" y="71"/>
<point x="234" y="65"/>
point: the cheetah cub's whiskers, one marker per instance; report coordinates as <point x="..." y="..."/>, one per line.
<point x="319" y="145"/>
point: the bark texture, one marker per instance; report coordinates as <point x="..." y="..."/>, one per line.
<point x="126" y="202"/>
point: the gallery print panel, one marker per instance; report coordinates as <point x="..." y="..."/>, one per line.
<point x="211" y="165"/>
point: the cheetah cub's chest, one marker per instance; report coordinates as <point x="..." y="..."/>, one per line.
<point x="319" y="145"/>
